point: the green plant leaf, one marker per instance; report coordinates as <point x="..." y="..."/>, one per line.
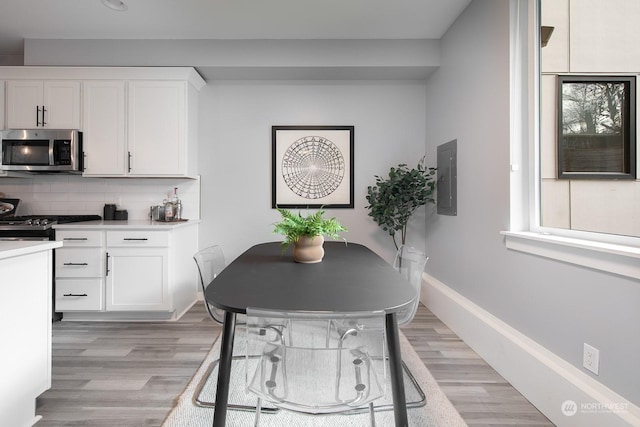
<point x="293" y="226"/>
<point x="394" y="199"/>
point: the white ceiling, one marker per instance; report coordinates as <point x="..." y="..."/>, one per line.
<point x="225" y="19"/>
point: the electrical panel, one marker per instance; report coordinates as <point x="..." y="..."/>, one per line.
<point x="447" y="179"/>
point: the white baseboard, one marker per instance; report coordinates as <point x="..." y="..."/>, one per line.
<point x="550" y="383"/>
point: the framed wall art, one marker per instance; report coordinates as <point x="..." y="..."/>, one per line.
<point x="312" y="167"/>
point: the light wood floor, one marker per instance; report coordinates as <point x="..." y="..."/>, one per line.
<point x="130" y="374"/>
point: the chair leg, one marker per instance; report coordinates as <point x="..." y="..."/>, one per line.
<point x="372" y="415"/>
<point x="412" y="380"/>
<point x="198" y="401"/>
<point x="421" y="401"/>
<point x="256" y="421"/>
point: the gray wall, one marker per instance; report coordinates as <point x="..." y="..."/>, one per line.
<point x="235" y="151"/>
<point x="560" y="306"/>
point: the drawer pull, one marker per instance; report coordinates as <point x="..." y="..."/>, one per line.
<point x="74" y="295"/>
<point x="75" y="263"/>
<point x="75" y="238"/>
<point x="135" y="238"/>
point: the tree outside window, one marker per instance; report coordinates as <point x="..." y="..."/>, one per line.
<point x="596" y="127"/>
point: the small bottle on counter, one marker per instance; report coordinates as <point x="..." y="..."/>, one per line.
<point x="169" y="209"/>
<point x="177" y="205"/>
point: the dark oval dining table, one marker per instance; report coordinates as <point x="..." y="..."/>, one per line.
<point x="351" y="277"/>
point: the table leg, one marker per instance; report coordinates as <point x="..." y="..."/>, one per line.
<point x="395" y="366"/>
<point x="224" y="369"/>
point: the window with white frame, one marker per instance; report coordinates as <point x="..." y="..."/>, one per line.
<point x="590" y="222"/>
<point x="588" y="141"/>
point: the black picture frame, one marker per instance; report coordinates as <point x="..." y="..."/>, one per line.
<point x="596" y="127"/>
<point x="312" y="167"/>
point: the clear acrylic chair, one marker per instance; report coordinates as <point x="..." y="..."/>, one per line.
<point x="210" y="262"/>
<point x="410" y="263"/>
<point x="298" y="372"/>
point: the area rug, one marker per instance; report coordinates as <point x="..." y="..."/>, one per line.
<point x="438" y="411"/>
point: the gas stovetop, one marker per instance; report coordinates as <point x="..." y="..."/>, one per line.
<point x="26" y="224"/>
<point x="42" y="222"/>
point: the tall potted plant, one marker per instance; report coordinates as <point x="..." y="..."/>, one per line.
<point x="306" y="233"/>
<point x="394" y="199"/>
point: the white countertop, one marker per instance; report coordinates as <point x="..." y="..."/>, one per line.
<point x="118" y="225"/>
<point x="10" y="248"/>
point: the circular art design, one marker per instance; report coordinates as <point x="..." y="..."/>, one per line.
<point x="313" y="167"/>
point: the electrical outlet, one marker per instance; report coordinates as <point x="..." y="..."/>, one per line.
<point x="591" y="358"/>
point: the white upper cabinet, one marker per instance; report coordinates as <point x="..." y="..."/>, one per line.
<point x="136" y="121"/>
<point x="33" y="104"/>
<point x="103" y="126"/>
<point x="139" y="128"/>
<point x="157" y="134"/>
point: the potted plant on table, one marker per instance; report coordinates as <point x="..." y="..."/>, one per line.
<point x="306" y="233"/>
<point x="393" y="200"/>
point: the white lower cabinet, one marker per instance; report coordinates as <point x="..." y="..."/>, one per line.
<point x="137" y="280"/>
<point x="85" y="294"/>
<point x="79" y="262"/>
<point x="80" y="271"/>
<point x="132" y="274"/>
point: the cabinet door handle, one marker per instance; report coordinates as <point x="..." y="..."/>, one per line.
<point x="129" y="161"/>
<point x="37" y="115"/>
<point x="135" y="238"/>
<point x="43" y="110"/>
<point x="74" y="295"/>
<point x="75" y="238"/>
<point x="107" y="266"/>
<point x="75" y="263"/>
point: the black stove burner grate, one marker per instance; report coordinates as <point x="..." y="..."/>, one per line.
<point x="59" y="219"/>
<point x="66" y="219"/>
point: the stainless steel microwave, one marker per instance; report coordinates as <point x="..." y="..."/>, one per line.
<point x="42" y="150"/>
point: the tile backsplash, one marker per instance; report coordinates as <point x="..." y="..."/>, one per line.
<point x="70" y="194"/>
